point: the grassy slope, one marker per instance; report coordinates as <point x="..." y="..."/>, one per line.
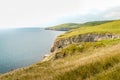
<point x="111" y="27"/>
<point x="69" y="26"/>
<point x="91" y="61"/>
<point x="64" y="27"/>
<point x="92" y="65"/>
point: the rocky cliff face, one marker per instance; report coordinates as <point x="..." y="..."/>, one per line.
<point x="91" y="37"/>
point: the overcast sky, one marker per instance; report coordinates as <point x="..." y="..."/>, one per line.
<point x="44" y="13"/>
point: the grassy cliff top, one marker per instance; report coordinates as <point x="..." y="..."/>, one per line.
<point x="63" y="27"/>
<point x="69" y="26"/>
<point x="82" y="61"/>
<point x="110" y="27"/>
<point x="96" y="62"/>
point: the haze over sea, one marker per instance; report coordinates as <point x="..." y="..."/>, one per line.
<point x="25" y="46"/>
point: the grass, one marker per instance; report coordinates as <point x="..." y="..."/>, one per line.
<point x="64" y="27"/>
<point x="80" y="61"/>
<point x="110" y="74"/>
<point x="90" y="69"/>
<point x="90" y="65"/>
<point x="81" y="47"/>
<point x="111" y="27"/>
<point x="69" y="26"/>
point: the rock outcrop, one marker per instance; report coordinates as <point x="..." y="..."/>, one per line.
<point x="90" y="37"/>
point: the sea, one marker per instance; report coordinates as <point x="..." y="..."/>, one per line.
<point x="24" y="46"/>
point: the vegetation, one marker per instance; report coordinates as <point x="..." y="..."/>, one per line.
<point x="111" y="27"/>
<point x="79" y="61"/>
<point x="82" y="47"/>
<point x="69" y="26"/>
<point x="90" y="65"/>
<point x="63" y="27"/>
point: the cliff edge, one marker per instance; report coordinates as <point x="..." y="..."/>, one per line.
<point x="85" y="53"/>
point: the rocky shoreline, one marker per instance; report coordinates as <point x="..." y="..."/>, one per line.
<point x="90" y="37"/>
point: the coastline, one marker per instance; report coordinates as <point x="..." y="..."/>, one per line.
<point x="22" y="59"/>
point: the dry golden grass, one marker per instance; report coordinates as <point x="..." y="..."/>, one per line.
<point x="101" y="63"/>
<point x="91" y="65"/>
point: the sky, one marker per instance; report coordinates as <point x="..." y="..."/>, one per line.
<point x="45" y="13"/>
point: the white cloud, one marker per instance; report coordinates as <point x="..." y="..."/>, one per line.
<point x="113" y="13"/>
<point x="26" y="13"/>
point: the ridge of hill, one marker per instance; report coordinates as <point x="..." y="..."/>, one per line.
<point x="69" y="26"/>
<point x="87" y="53"/>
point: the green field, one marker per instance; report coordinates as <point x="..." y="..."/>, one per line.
<point x="110" y="27"/>
<point x="79" y="61"/>
<point x="69" y="26"/>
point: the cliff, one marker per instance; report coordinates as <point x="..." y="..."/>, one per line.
<point x="87" y="53"/>
<point x="63" y="27"/>
<point x="69" y="26"/>
<point x="90" y="37"/>
<point x="108" y="31"/>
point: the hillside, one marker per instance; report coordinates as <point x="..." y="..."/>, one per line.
<point x="69" y="26"/>
<point x="87" y="53"/>
<point x="111" y="27"/>
<point x="63" y="27"/>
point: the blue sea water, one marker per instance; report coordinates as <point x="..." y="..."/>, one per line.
<point x="23" y="47"/>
